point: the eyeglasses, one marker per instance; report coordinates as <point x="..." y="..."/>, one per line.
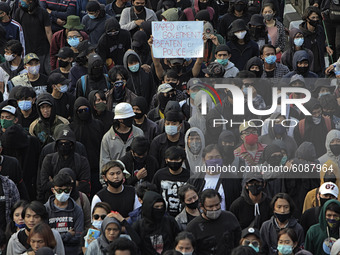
<point x="113" y="33"/>
<point x="254" y="132"/>
<point x="59" y="191"/>
<point x="96" y="216"/>
<point x="254" y="243"/>
<point x="83" y="110"/>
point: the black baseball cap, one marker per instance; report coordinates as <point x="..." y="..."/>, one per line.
<point x="57" y="78"/>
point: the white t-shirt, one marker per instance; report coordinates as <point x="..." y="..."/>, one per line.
<point x="211" y="182"/>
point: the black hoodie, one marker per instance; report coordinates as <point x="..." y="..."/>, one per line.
<point x="162" y="233"/>
<point x="115" y="46"/>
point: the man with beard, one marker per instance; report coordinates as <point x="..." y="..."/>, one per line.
<point x="65" y="157"/>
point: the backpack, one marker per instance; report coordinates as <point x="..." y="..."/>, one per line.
<point x="334" y="10"/>
<point x="84" y="81"/>
<point x="302" y="125"/>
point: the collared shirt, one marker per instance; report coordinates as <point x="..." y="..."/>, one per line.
<point x="250" y="160"/>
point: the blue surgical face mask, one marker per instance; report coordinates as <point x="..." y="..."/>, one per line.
<point x="23" y="4"/>
<point x="223" y="62"/>
<point x="73" y="42"/>
<point x="171" y="129"/>
<point x="20" y="226"/>
<point x="285" y="249"/>
<point x="97" y="224"/>
<point x="25" y="105"/>
<point x="63" y="197"/>
<point x="323" y="94"/>
<point x="283" y="160"/>
<point x="63" y="89"/>
<point x="92" y="16"/>
<point x="270" y="59"/>
<point x="187" y="59"/>
<point x="257" y="249"/>
<point x="134" y="68"/>
<point x="299" y="41"/>
<point x="193" y="95"/>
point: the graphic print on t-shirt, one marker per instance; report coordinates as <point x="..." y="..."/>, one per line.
<point x="170" y="195"/>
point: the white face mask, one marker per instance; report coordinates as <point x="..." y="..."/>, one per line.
<point x="97" y="224"/>
<point x="240" y="35"/>
<point x="63" y="197"/>
<point x="33" y="69"/>
<point x="9" y="58"/>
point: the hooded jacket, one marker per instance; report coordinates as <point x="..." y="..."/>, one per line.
<point x="128" y="17"/>
<point x="194" y="159"/>
<point x="270" y="138"/>
<point x="115" y="46"/>
<point x="329" y="155"/>
<point x="89" y="132"/>
<point x="95" y="27"/>
<point x="64" y="219"/>
<point x="43" y="128"/>
<point x="110" y="10"/>
<point x="248" y="213"/>
<point x="270" y="230"/>
<point x="106" y="117"/>
<point x="299" y="56"/>
<point x="287" y="56"/>
<point x="314" y="133"/>
<point x="311" y="197"/>
<point x="140" y="82"/>
<point x="155" y="234"/>
<point x="317" y="234"/>
<point x="143" y="50"/>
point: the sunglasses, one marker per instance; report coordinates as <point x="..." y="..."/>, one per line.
<point x="83" y="110"/>
<point x="96" y="216"/>
<point x="254" y="243"/>
<point x="59" y="191"/>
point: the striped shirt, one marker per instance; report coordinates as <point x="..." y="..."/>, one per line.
<point x="249" y="158"/>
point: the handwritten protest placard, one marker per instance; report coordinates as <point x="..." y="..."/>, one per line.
<point x="177" y="39"/>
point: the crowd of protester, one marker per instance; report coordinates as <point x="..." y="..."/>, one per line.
<point x="105" y="149"/>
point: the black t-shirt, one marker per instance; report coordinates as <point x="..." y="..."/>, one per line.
<point x="183" y="79"/>
<point x="117" y="10"/>
<point x="2" y="208"/>
<point x="190" y="217"/>
<point x="64" y="105"/>
<point x="58" y="71"/>
<point x="23" y="239"/>
<point x="168" y="185"/>
<point x="40" y="85"/>
<point x="125" y="136"/>
<point x="141" y="15"/>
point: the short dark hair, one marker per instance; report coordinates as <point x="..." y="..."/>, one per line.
<point x="268" y="4"/>
<point x="209" y="193"/>
<point x="132" y="58"/>
<point x="102" y="205"/>
<point x="62" y="179"/>
<point x="290" y="232"/>
<point x="121" y="70"/>
<point x="245" y="74"/>
<point x="185" y="235"/>
<point x="283" y="196"/>
<point x="266" y="46"/>
<point x="182" y="190"/>
<point x="122" y="244"/>
<point x="36" y="207"/>
<point x="15" y="47"/>
<point x="25" y="92"/>
<point x="140" y="145"/>
<point x="333" y="207"/>
<point x="243" y="250"/>
<point x="170" y="73"/>
<point x="143" y="187"/>
<point x="309" y="10"/>
<point x="174" y="152"/>
<point x="209" y="148"/>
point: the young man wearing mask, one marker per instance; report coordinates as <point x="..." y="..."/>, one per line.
<point x="194" y="145"/>
<point x="64" y="215"/>
<point x="63" y="100"/>
<point x="8" y="117"/>
<point x="124" y="132"/>
<point x="114" y="175"/>
<point x="320" y="237"/>
<point x="252" y="208"/>
<point x="327" y="191"/>
<point x="65" y="58"/>
<point x="330" y="108"/>
<point x="33" y="78"/>
<point x="222" y="55"/>
<point x="13" y="66"/>
<point x="171" y="137"/>
<point x="213" y="226"/>
<point x="250" y="150"/>
<point x="168" y="180"/>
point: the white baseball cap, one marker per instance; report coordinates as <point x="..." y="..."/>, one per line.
<point x="329" y="188"/>
<point x="123" y="111"/>
<point x="10" y="109"/>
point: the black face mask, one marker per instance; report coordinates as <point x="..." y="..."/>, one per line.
<point x="138" y="115"/>
<point x="282" y="217"/>
<point x="96" y="73"/>
<point x="239" y="7"/>
<point x="139" y="8"/>
<point x="177" y="68"/>
<point x="270" y="74"/>
<point x="139" y="160"/>
<point x="128" y="122"/>
<point x="323" y="201"/>
<point x="65" y="149"/>
<point x="257" y="73"/>
<point x="255" y="189"/>
<point x="164" y="100"/>
<point x="63" y="63"/>
<point x="174" y="166"/>
<point x="330" y="178"/>
<point x="84" y="116"/>
<point x="158" y="214"/>
<point x="313" y="23"/>
<point x="274" y="160"/>
<point x="202" y="6"/>
<point x="228" y="150"/>
<point x="302" y="70"/>
<point x="335" y="148"/>
<point x="193" y="205"/>
<point x="115" y="184"/>
<point x="173" y="84"/>
<point x="119" y="90"/>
